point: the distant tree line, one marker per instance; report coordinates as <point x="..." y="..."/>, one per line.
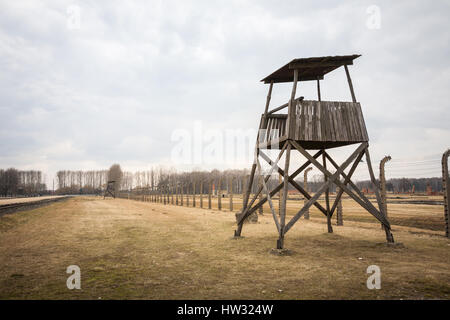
<point x="95" y="181"/>
<point x="89" y="182"/>
<point x="406" y="184"/>
<point x="81" y="182"/>
<point x="15" y="182"/>
<point x="163" y="179"/>
<point x="395" y="185"/>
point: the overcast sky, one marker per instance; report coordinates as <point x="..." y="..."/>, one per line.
<point x="84" y="84"/>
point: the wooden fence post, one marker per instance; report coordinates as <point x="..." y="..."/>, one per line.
<point x="182" y="194"/>
<point x="219" y="195"/>
<point x="383" y="187"/>
<point x="187" y="195"/>
<point x="209" y="194"/>
<point x="201" y="194"/>
<point x="280" y="194"/>
<point x="305" y="186"/>
<point x="193" y="194"/>
<point x="260" y="210"/>
<point x="176" y="193"/>
<point x="230" y="192"/>
<point x="446" y="191"/>
<point x="339" y="213"/>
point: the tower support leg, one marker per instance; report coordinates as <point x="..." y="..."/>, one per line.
<point x="280" y="241"/>
<point x="237" y="232"/>
<point x="327" y="196"/>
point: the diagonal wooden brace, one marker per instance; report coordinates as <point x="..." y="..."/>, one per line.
<point x="260" y="188"/>
<point x="295" y="184"/>
<point x="266" y="190"/>
<point x="362" y="200"/>
<point x="346" y="178"/>
<point x="365" y="204"/>
<point x="332" y="178"/>
<point x="245" y="210"/>
<point x="250" y="210"/>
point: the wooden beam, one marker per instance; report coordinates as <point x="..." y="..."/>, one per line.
<point x="289" y="79"/>
<point x="305" y="186"/>
<point x="327" y="196"/>
<point x="349" y="80"/>
<point x="319" y="64"/>
<point x="255" y="196"/>
<point x="383" y="185"/>
<point x="332" y="178"/>
<point x="318" y="90"/>
<point x="250" y="182"/>
<point x="252" y="209"/>
<point x="266" y="190"/>
<point x="346" y="178"/>
<point x="363" y="201"/>
<point x="244" y="213"/>
<point x="275" y="142"/>
<point x="294" y="183"/>
<point x="269" y="96"/>
<point x="282" y="107"/>
<point x="292" y="117"/>
<point x="285" y="190"/>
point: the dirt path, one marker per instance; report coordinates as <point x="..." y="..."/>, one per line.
<point x="129" y="249"/>
<point x="29" y="199"/>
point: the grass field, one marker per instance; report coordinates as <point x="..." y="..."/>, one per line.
<point x="140" y="250"/>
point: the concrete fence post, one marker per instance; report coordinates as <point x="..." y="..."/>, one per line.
<point x="446" y="191"/>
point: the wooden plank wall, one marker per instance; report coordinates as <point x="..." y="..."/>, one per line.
<point x="322" y="121"/>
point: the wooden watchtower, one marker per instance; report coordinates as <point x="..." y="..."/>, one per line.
<point x="110" y="189"/>
<point x="311" y="125"/>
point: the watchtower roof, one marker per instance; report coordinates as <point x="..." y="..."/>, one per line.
<point x="309" y="68"/>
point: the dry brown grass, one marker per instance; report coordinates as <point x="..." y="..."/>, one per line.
<point x="128" y="249"/>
